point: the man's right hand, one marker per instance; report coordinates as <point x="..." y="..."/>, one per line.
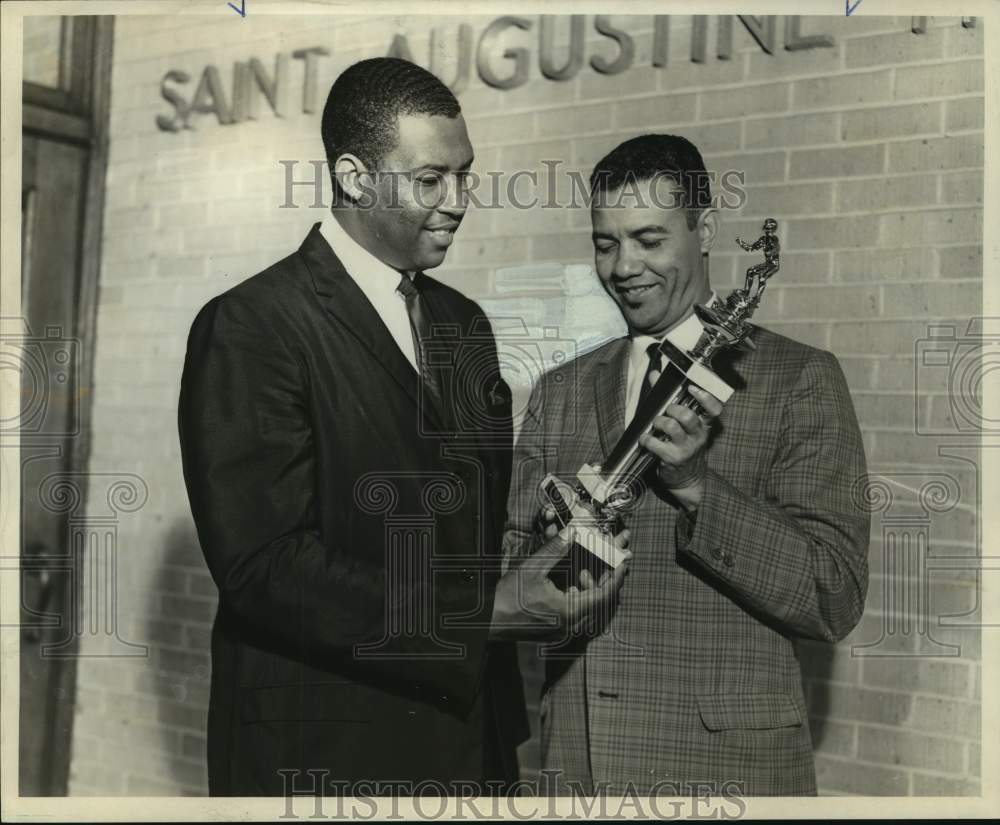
<point x="528" y="605"/>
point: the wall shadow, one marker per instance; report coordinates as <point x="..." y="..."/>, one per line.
<point x="179" y="634"/>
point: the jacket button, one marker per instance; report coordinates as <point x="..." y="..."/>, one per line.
<point x="728" y="559"/>
<point x="716" y="553"/>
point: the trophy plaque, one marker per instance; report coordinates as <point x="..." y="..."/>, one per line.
<point x="601" y="494"/>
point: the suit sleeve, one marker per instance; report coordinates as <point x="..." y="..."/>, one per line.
<point x="250" y="470"/>
<point x="495" y="426"/>
<point x="797" y="554"/>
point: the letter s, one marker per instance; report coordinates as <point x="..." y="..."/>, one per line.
<point x="181" y="109"/>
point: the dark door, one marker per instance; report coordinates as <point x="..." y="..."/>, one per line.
<point x="65" y="105"/>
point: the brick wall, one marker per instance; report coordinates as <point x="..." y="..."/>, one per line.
<point x="870" y="155"/>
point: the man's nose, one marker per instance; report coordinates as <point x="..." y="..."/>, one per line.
<point x="627" y="265"/>
<point x="456" y="198"/>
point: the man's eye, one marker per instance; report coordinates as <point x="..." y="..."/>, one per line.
<point x="650" y="244"/>
<point x="427" y="181"/>
<point x="604" y="249"/>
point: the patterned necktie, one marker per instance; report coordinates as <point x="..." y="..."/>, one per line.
<point x="420" y="329"/>
<point x="655" y="365"/>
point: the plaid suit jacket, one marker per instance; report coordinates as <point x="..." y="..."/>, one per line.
<point x="695" y="677"/>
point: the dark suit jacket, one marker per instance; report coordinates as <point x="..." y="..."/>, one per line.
<point x="352" y="534"/>
<point x="697" y="678"/>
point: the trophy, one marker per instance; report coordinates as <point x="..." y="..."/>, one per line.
<point x="601" y="494"/>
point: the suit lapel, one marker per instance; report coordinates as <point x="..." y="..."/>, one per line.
<point x="348" y="304"/>
<point x="609" y="394"/>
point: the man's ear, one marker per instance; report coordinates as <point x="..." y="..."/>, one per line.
<point x="708" y="227"/>
<point x="352" y="175"/>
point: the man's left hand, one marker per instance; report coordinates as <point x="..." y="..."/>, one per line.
<point x="679" y="442"/>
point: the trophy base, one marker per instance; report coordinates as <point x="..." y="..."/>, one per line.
<point x="592" y="532"/>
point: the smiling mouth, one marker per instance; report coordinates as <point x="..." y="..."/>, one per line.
<point x="443" y="235"/>
<point x="634" y="291"/>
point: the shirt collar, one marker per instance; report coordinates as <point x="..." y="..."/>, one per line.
<point x="684" y="336"/>
<point x="364" y="267"/>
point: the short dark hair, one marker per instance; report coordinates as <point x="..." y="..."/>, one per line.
<point x="361" y="111"/>
<point x="650" y="156"/>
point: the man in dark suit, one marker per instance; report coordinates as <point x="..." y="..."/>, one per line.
<point x="348" y="467"/>
<point x="745" y="538"/>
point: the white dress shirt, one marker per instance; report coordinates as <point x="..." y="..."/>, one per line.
<point x="377" y="280"/>
<point x="683" y="336"/>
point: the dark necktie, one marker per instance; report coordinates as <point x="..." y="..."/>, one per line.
<point x="420" y="328"/>
<point x="655" y="365"/>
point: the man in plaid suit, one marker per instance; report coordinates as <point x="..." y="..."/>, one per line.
<point x="745" y="538"/>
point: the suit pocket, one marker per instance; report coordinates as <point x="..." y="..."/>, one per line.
<point x="318" y="701"/>
<point x="750" y="711"/>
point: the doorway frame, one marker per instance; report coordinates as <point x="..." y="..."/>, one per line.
<point x="77" y="112"/>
